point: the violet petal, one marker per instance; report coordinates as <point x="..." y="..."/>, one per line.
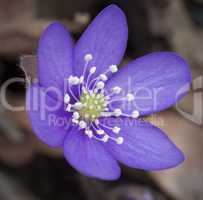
<point x="144" y="147"/>
<point x="157" y="80"/>
<point x="89" y="157"/>
<point x="55" y="56"/>
<point x="105" y="38"/>
<point x="48" y="119"/>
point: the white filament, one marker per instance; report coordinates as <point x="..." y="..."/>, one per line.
<point x="93" y="90"/>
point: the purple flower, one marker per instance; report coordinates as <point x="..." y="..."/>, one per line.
<point x="85" y="105"/>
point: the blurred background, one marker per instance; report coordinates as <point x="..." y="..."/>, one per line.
<point x="30" y="170"/>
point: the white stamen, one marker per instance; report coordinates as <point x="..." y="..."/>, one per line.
<point x="82" y="124"/>
<point x="89" y="133"/>
<point x="76" y="115"/>
<point x="78" y="105"/>
<point x="100" y="132"/>
<point x="93" y="70"/>
<point x="113" y="68"/>
<point x="116" y="129"/>
<point x="66" y="98"/>
<point x="107" y="98"/>
<point x="105" y="104"/>
<point x="68" y="108"/>
<point x="96" y="121"/>
<point x="70" y="79"/>
<point x="96" y="90"/>
<point x="103" y="77"/>
<point x="92" y="94"/>
<point x="106" y="114"/>
<point x="135" y="114"/>
<point x="105" y="138"/>
<point x="75" y="121"/>
<point x="73" y="80"/>
<point x="116" y="89"/>
<point x="100" y="85"/>
<point x="84" y="90"/>
<point x="117" y="112"/>
<point x="130" y="97"/>
<point x="88" y="57"/>
<point x="81" y="79"/>
<point x="93" y="102"/>
<point x="119" y="140"/>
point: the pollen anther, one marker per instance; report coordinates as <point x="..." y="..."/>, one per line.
<point x="82" y="124"/>
<point x="88" y="57"/>
<point x="100" y="85"/>
<point x="113" y="68"/>
<point x="116" y="90"/>
<point x="135" y="114"/>
<point x="66" y="99"/>
<point x="117" y="112"/>
<point x="119" y="140"/>
<point x="130" y="97"/>
<point x="116" y="129"/>
<point x="93" y="70"/>
<point x="103" y="77"/>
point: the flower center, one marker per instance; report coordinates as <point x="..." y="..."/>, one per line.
<point x="93" y="104"/>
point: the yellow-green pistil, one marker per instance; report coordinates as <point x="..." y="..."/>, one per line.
<point x="93" y="105"/>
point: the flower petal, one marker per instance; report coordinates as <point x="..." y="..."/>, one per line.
<point x="144" y="146"/>
<point x="55" y="56"/>
<point x="105" y="38"/>
<point x="48" y="119"/>
<point x="89" y="156"/>
<point x="157" y="80"/>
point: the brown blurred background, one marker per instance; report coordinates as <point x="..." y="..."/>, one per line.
<point x="30" y="170"/>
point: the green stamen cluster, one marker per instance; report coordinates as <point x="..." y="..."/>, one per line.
<point x="93" y="105"/>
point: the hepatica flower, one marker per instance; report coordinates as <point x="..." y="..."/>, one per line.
<point x="91" y="109"/>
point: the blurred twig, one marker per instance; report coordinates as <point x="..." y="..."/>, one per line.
<point x="173" y="21"/>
